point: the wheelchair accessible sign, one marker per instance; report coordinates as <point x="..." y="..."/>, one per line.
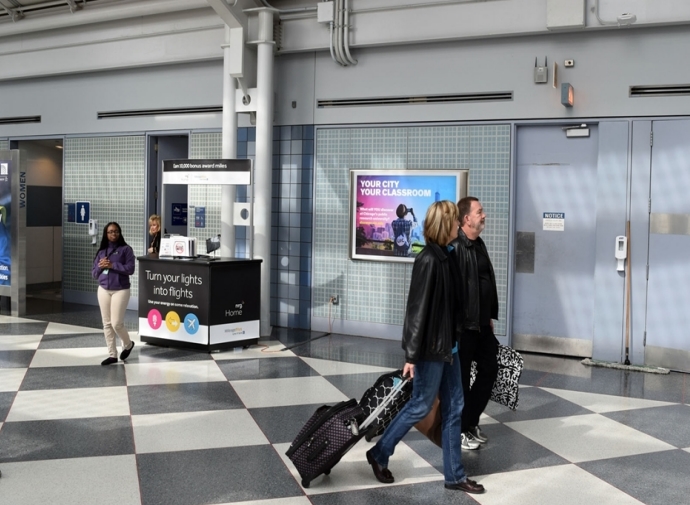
<point x="554" y="221"/>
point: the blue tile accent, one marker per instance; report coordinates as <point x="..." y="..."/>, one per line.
<point x="308" y="161"/>
<point x="251" y="134"/>
<point x="241" y="149"/>
<point x="296" y="132"/>
<point x="308" y="146"/>
<point x="308" y="132"/>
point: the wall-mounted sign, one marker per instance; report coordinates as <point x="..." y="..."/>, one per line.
<point x="207" y="172"/>
<point x="388" y="208"/>
<point x="554" y="221"/>
<point x="83" y="212"/>
<point x="199" y="217"/>
<point x="179" y="214"/>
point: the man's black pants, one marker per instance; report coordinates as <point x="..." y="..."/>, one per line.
<point x="482" y="347"/>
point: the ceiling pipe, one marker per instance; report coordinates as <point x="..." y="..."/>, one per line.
<point x="98" y="13"/>
<point x="346" y="34"/>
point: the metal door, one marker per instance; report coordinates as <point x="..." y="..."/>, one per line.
<point x="555" y="241"/>
<point x="668" y="286"/>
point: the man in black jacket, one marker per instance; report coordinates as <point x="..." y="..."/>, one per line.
<point x="477" y="341"/>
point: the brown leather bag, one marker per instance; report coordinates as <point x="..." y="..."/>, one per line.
<point x="430" y="426"/>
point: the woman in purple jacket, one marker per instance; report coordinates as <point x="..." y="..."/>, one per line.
<point x="112" y="266"/>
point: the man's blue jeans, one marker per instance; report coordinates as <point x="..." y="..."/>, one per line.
<point x="431" y="378"/>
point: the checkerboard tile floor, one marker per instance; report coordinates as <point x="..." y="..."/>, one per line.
<point x="176" y="427"/>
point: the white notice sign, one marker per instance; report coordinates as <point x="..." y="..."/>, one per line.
<point x="554" y="221"/>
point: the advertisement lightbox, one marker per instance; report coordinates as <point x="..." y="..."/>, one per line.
<point x="387" y="210"/>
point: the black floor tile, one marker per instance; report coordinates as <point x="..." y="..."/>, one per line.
<point x="16" y="359"/>
<point x="6" y="399"/>
<point x="66" y="438"/>
<point x="183" y="397"/>
<point x="535" y="403"/>
<point x="659" y="478"/>
<point x="670" y="424"/>
<point x="415" y="494"/>
<point x="23" y="328"/>
<point x="214" y="476"/>
<point x="282" y="424"/>
<point x="354" y="385"/>
<point x="72" y="341"/>
<point x="67" y="377"/>
<point x="507" y="450"/>
<point x="265" y="368"/>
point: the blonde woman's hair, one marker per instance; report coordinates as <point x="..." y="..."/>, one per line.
<point x="439" y="221"/>
<point x="154" y="218"/>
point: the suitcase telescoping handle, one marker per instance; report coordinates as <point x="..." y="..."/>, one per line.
<point x="386" y="401"/>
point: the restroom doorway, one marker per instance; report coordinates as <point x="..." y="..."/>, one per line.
<point x="171" y="201"/>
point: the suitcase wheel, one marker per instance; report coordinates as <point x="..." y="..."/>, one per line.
<point x="368" y="437"/>
<point x="327" y="472"/>
<point x="305" y="483"/>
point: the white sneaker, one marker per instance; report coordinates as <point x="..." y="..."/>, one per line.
<point x="478" y="435"/>
<point x="468" y="442"/>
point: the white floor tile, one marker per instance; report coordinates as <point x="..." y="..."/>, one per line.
<point x="11" y="378"/>
<point x="561" y="485"/>
<point x="588" y="437"/>
<point x="184" y="431"/>
<point x="295" y="500"/>
<point x="19" y="342"/>
<point x="353" y="472"/>
<point x="80" y="356"/>
<point x="173" y="372"/>
<point x="288" y="391"/>
<point x="269" y="349"/>
<point x="69" y="404"/>
<point x="68" y="329"/>
<point x="110" y="480"/>
<point x="328" y="367"/>
<point x="604" y="403"/>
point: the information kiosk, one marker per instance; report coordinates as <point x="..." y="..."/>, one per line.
<point x="202" y="303"/>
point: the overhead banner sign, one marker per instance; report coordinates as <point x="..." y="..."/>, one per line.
<point x="388" y="208"/>
<point x="236" y="172"/>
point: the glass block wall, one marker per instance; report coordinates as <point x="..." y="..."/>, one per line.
<point x="109" y="172"/>
<point x="4" y="145"/>
<point x="291" y="216"/>
<point x="374" y="291"/>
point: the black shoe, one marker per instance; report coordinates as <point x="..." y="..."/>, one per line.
<point x="468" y="486"/>
<point x="109" y="361"/>
<point x="125" y="352"/>
<point x="382" y="474"/>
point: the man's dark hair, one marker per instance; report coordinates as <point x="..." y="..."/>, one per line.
<point x="464" y="206"/>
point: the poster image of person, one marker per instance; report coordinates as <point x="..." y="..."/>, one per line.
<point x="402" y="229"/>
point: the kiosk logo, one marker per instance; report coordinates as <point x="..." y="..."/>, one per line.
<point x="172" y="321"/>
<point x="155" y="319"/>
<point x="236" y="311"/>
<point x="191" y="324"/>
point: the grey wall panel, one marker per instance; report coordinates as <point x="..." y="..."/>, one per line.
<point x="611" y="212"/>
<point x="639" y="233"/>
<point x="69" y="105"/>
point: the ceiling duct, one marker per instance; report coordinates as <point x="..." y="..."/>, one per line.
<point x="660" y="90"/>
<point x="497" y="96"/>
<point x="216" y="109"/>
<point x="20" y="120"/>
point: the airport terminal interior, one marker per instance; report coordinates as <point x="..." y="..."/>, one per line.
<point x="568" y="119"/>
<point x="179" y="427"/>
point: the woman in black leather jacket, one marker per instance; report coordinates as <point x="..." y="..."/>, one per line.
<point x="429" y="339"/>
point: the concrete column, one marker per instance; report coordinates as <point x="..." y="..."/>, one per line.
<point x="263" y="162"/>
<point x="227" y="198"/>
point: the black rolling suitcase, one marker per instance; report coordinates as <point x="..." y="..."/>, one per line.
<point x="328" y="434"/>
<point x="378" y="393"/>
